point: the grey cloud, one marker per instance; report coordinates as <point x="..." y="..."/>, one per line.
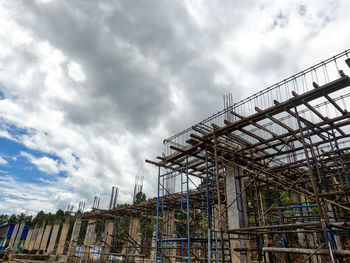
<point x="134" y="54"/>
<point x="161" y="32"/>
<point x="302" y="10"/>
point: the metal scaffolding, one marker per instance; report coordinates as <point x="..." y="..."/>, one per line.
<point x="266" y="179"/>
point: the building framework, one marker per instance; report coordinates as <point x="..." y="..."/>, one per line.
<point x="264" y="180"/>
<point x="272" y="172"/>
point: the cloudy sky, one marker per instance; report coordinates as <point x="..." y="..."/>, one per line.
<point x="89" y="89"/>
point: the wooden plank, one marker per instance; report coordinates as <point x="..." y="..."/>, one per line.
<point x="18" y="237"/>
<point x="107" y="239"/>
<point x="336" y="119"/>
<point x="53" y="238"/>
<point x="13" y="235"/>
<point x="343" y="112"/>
<point x="45" y="238"/>
<point x="29" y="235"/>
<point x="319" y="114"/>
<point x="63" y="237"/>
<point x="260" y="127"/>
<point x="33" y="237"/>
<point x="39" y="238"/>
<point x="330" y="87"/>
<point x="75" y="236"/>
<point x="90" y="237"/>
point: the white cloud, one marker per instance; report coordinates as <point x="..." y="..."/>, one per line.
<point x="76" y="72"/>
<point x="103" y="87"/>
<point x="44" y="164"/>
<point x="5" y="134"/>
<point x="19" y="196"/>
<point x="3" y="161"/>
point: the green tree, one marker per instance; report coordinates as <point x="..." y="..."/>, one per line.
<point x="13" y="218"/>
<point x="140" y="197"/>
<point x="4" y="218"/>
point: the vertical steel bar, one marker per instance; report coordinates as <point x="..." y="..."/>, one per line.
<point x="157" y="229"/>
<point x="188" y="214"/>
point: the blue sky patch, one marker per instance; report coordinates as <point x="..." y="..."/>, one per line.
<point x="20" y="167"/>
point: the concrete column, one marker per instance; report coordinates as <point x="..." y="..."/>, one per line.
<point x="33" y="237"/>
<point x="154" y="244"/>
<point x="108" y="232"/>
<point x="74" y="237"/>
<point x="46" y="234"/>
<point x="236" y="213"/>
<point x="169" y="231"/>
<point x="304" y="240"/>
<point x="90" y="237"/>
<point x="216" y="218"/>
<point x="29" y="235"/>
<point x="296" y="199"/>
<point x="39" y="237"/>
<point x="53" y="238"/>
<point x="18" y="238"/>
<point x="63" y="237"/>
<point x="13" y="236"/>
<point x="134" y="229"/>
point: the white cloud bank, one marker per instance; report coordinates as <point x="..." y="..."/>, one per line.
<point x="100" y="84"/>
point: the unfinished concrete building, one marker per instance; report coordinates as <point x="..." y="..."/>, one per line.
<point x="264" y="180"/>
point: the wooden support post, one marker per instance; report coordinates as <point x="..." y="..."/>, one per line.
<point x="18" y="238"/>
<point x="3" y="241"/>
<point x="53" y="238"/>
<point x="33" y="238"/>
<point x="39" y="238"/>
<point x="74" y="237"/>
<point x="13" y="236"/>
<point x="63" y="237"/>
<point x="45" y="238"/>
<point x="29" y="235"/>
<point x="90" y="237"/>
<point x="107" y="239"/>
